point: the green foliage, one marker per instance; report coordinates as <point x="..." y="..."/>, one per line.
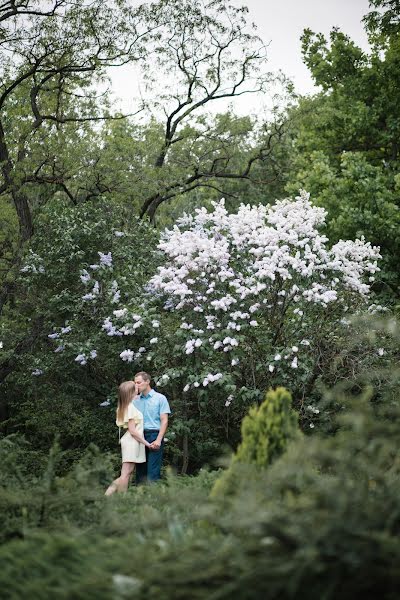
<point x="345" y="139"/>
<point x="310" y="525"/>
<point x="267" y="429"/>
<point x="51" y="142"/>
<point x="48" y="392"/>
<point x="266" y="432"/>
<point x="34" y="496"/>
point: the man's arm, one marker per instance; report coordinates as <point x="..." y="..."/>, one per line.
<point x="163" y="428"/>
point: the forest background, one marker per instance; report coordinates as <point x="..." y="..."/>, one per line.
<point x="104" y="236"/>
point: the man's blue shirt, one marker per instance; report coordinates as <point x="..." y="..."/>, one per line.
<point x="152" y="406"/>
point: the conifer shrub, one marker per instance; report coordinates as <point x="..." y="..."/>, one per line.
<point x="266" y="433"/>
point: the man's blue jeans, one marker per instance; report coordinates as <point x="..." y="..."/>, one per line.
<point x="151" y="469"/>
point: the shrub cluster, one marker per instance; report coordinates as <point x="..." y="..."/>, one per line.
<point x="321" y="522"/>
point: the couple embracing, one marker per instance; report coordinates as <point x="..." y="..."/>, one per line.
<point x="143" y="412"/>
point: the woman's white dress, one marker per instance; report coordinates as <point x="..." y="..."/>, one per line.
<point x="131" y="449"/>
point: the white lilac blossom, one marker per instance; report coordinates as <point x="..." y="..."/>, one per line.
<point x="94" y="293"/>
<point x="381" y="351"/>
<point x="105" y="259"/>
<point x="35" y="264"/>
<point x="81" y="359"/>
<point x="126" y="330"/>
<point x="230" y="341"/>
<point x="153" y="340"/>
<point x="65" y="330"/>
<point x="127" y="355"/>
<point x="228" y="400"/>
<point x="221" y="268"/>
<point x="129" y="327"/>
<point x="377" y="308"/>
<point x="110" y="328"/>
<point x="271" y="236"/>
<point x="85" y="276"/>
<point x="116" y="297"/>
<point x="210" y="378"/>
<point x="53" y="336"/>
<point x="119" y="234"/>
<point x="37" y="372"/>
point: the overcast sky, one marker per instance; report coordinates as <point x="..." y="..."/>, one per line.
<point x="280" y="23"/>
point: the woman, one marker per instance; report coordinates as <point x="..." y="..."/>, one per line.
<point x="132" y="442"/>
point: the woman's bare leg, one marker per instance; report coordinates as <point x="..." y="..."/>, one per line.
<point x="121" y="483"/>
<point x="126" y="473"/>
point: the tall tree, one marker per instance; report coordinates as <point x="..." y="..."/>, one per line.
<point x="207" y="52"/>
<point x="345" y="148"/>
<point x="51" y="52"/>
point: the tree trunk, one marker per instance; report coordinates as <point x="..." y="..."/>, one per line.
<point x="24" y="214"/>
<point x="19" y="197"/>
<point x="185" y="451"/>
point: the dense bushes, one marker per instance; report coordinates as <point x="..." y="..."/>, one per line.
<point x="48" y="391"/>
<point x="230" y="312"/>
<point x="321" y="522"/>
<point x="266" y="432"/>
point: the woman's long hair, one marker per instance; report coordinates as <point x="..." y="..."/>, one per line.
<point x="126" y="392"/>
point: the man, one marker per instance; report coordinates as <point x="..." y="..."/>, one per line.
<point x="155" y="410"/>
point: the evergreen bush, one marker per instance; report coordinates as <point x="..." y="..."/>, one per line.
<point x="266" y="433"/>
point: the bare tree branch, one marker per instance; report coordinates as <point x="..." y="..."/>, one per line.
<point x="12" y="9"/>
<point x="216" y="171"/>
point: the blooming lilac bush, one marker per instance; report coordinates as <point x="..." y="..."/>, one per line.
<point x="68" y="284"/>
<point x="106" y="301"/>
<point x="240" y="303"/>
<point x="260" y="299"/>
